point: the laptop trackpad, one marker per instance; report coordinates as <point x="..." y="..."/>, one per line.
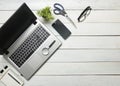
<point x="36" y="61"/>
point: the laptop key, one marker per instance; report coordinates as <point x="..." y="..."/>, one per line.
<point x="29" y="46"/>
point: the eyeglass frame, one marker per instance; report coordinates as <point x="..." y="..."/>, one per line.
<point x="84" y="14"/>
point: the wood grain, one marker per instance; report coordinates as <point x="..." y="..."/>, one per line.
<point x="96" y="16"/>
<point x="78" y="4"/>
<point x="91" y="42"/>
<point x="80" y="55"/>
<point x="90" y="56"/>
<point x="74" y="81"/>
<point x="91" y="29"/>
<point x="74" y="69"/>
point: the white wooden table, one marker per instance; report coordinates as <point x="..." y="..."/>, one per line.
<point x="90" y="56"/>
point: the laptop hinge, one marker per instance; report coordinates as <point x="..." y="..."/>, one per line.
<point x="6" y="52"/>
<point x="3" y="52"/>
<point x="34" y="22"/>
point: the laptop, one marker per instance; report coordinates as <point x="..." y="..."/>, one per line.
<point x="26" y="43"/>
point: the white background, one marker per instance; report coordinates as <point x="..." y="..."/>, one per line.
<point x="90" y="56"/>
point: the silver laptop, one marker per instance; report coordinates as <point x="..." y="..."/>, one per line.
<point x="25" y="42"/>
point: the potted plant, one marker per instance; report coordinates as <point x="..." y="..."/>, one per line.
<point x="45" y="13"/>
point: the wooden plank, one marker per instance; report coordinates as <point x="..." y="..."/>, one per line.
<point x="87" y="42"/>
<point x="85" y="56"/>
<point x="111" y="16"/>
<point x="74" y="81"/>
<point x="4" y="15"/>
<point x="90" y="57"/>
<point x="80" y="68"/>
<point x="74" y="69"/>
<point x="76" y="56"/>
<point x="91" y="29"/>
<point x="78" y="4"/>
<point x="95" y="16"/>
<point x="1" y="84"/>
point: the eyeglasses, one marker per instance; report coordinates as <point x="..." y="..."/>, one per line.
<point x="84" y="14"/>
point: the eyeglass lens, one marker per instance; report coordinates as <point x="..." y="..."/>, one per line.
<point x="84" y="14"/>
<point x="82" y="18"/>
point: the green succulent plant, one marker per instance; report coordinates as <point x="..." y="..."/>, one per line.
<point x="45" y="13"/>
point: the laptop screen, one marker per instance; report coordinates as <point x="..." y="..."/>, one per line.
<point x="15" y="26"/>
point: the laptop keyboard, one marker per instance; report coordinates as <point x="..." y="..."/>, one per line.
<point x="27" y="48"/>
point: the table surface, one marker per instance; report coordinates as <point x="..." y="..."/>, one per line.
<point x="90" y="56"/>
